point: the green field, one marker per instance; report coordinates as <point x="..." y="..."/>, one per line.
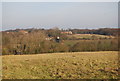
<point x="77" y="65"/>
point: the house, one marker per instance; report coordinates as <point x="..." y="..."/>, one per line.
<point x="7" y="32"/>
<point x="49" y="38"/>
<point x="23" y="31"/>
<point x="66" y="32"/>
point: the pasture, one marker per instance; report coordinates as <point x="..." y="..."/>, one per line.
<point x="90" y="36"/>
<point x="73" y="65"/>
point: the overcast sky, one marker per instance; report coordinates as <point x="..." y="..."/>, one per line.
<point x="59" y="14"/>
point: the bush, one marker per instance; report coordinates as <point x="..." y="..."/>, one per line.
<point x="95" y="45"/>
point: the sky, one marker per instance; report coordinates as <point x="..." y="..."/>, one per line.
<point x="80" y="15"/>
<point x="60" y="0"/>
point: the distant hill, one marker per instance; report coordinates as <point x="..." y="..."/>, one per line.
<point x="101" y="31"/>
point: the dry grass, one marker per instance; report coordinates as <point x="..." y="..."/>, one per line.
<point x="78" y="65"/>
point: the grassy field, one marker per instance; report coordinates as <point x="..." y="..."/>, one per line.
<point x="90" y="36"/>
<point x="78" y="65"/>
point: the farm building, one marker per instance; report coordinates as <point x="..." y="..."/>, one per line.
<point x="66" y="32"/>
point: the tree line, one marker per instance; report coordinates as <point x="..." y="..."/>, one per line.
<point x="34" y="42"/>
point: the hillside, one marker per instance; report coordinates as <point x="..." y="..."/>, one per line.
<point x="74" y="65"/>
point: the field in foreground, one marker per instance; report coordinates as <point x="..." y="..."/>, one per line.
<point x="78" y="65"/>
